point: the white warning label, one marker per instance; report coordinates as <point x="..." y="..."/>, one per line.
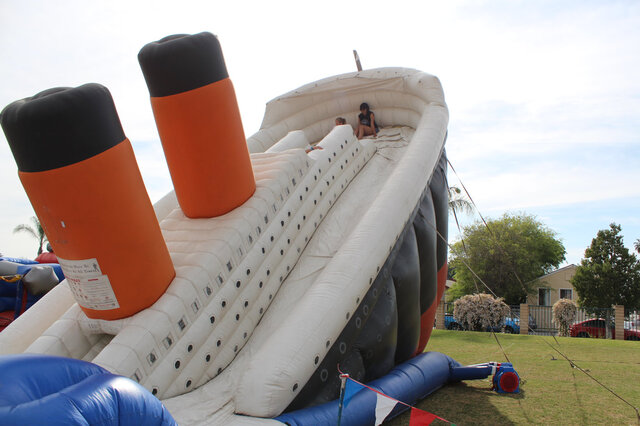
<point x="86" y="268"/>
<point x="90" y="288"/>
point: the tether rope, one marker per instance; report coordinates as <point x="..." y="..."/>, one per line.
<point x="574" y="365"/>
<point x="455" y="216"/>
<point x="480" y="279"/>
<point x="571" y="362"/>
<point x="495" y="239"/>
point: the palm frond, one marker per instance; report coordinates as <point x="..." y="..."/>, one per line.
<point x="461" y="205"/>
<point x="25" y="228"/>
<point x="38" y="227"/>
<point x="458" y="201"/>
<point x="36" y="231"/>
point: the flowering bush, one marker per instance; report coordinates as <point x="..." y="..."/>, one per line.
<point x="479" y="311"/>
<point x="564" y="314"/>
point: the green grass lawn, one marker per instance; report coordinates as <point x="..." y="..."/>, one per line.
<point x="551" y="391"/>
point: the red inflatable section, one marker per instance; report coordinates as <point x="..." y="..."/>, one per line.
<point x="46" y="257"/>
<point x="428" y="318"/>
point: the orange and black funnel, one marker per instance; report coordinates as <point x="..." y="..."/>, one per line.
<point x="81" y="176"/>
<point x="199" y="123"/>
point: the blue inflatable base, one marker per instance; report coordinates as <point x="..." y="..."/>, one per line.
<point x="408" y="382"/>
<point x="49" y="390"/>
<point x="41" y="389"/>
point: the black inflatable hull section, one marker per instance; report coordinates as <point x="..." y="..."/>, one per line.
<point x="406" y="279"/>
<point x="440" y="195"/>
<point x="388" y="326"/>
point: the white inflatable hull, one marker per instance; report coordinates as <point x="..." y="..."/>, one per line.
<point x="262" y="293"/>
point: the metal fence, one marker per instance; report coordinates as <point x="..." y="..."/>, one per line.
<point x="589" y="322"/>
<point x="510" y="323"/>
<point x="632" y="323"/>
<point x="448" y="307"/>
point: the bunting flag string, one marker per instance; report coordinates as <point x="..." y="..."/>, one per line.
<point x="385" y="404"/>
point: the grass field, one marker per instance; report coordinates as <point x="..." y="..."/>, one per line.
<point x="551" y="390"/>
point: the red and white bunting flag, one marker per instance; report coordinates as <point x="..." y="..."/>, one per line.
<point x="384" y="405"/>
<point x="421" y="418"/>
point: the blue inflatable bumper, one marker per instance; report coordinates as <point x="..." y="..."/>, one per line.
<point x="408" y="382"/>
<point x="48" y="390"/>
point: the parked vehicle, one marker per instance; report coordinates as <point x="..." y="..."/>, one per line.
<point x="632" y="325"/>
<point x="509" y="325"/>
<point x="596" y="327"/>
<point x="451" y="324"/>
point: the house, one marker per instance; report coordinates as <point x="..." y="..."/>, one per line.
<point x="553" y="286"/>
<point x="447" y="286"/>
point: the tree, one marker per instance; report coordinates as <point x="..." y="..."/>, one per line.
<point x="508" y="254"/>
<point x="35" y="231"/>
<point x="608" y="275"/>
<point x="637" y="245"/>
<point x="478" y="312"/>
<point x="564" y="314"/>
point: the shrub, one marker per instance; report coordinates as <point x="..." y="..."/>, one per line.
<point x="564" y="314"/>
<point x="479" y="311"/>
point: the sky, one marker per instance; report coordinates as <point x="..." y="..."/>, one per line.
<point x="543" y="96"/>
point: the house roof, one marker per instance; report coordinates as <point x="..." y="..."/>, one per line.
<point x="565" y="268"/>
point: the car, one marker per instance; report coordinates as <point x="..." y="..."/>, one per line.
<point x="451" y="323"/>
<point x="632" y="324"/>
<point x="510" y="325"/>
<point x="596" y="327"/>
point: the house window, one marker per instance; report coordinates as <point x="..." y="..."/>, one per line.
<point x="566" y="293"/>
<point x="544" y="296"/>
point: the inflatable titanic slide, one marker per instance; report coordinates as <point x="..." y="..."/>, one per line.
<point x="236" y="297"/>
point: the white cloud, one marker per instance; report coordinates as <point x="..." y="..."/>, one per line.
<point x="547" y="184"/>
<point x="529" y="84"/>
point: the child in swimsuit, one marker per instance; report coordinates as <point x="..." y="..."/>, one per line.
<point x="367" y="125"/>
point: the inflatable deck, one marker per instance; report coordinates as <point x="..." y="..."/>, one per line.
<point x="235" y="297"/>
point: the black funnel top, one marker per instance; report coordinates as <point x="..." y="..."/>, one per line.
<point x="61" y="126"/>
<point x="181" y="62"/>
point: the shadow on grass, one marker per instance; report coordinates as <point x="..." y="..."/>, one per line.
<point x="465" y="403"/>
<point x="579" y="399"/>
